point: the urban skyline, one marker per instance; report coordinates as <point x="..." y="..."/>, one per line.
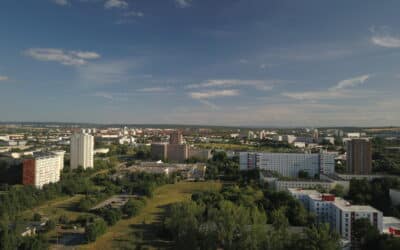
<point x="239" y="63"/>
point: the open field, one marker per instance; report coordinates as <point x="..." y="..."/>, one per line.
<point x="147" y="222"/>
<point x="55" y="208"/>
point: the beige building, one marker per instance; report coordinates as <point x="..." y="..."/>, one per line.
<point x="82" y="146"/>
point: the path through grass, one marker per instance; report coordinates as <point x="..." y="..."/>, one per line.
<point x="147" y="223"/>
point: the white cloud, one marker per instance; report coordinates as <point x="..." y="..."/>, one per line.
<point x="386" y="41"/>
<point x="106" y="72"/>
<point x="183" y="3"/>
<point x="258" y="84"/>
<point x="133" y="14"/>
<point x="154" y="89"/>
<point x="70" y="58"/>
<point x="348" y="83"/>
<point x="118" y="4"/>
<point x="381" y="36"/>
<point x="86" y="55"/>
<point x="61" y="2"/>
<point x="214" y="94"/>
<point x="341" y="90"/>
<point x="3" y="78"/>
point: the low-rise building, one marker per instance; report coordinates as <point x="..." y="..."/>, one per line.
<point x="339" y="213"/>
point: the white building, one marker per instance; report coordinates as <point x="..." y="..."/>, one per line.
<point x="289" y="164"/>
<point x="43" y="168"/>
<point x="289" y="138"/>
<point x="82" y="150"/>
<point x="339" y="213"/>
<point x="60" y="154"/>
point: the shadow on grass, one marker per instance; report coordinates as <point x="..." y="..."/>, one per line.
<point x="69" y="239"/>
<point x="152" y="234"/>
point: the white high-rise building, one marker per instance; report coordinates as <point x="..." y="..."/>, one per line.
<point x="43" y="168"/>
<point x="82" y="150"/>
<point x="60" y="154"/>
<point x="289" y="164"/>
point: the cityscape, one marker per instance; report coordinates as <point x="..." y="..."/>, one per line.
<point x="199" y="124"/>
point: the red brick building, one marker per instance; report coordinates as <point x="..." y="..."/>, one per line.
<point x="28" y="172"/>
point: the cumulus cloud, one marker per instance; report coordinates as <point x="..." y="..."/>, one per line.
<point x="70" y="58"/>
<point x="183" y="3"/>
<point x="340" y="90"/>
<point x="117" y="4"/>
<point x="258" y="84"/>
<point x="386" y="41"/>
<point x="214" y="94"/>
<point x="3" y="78"/>
<point x="381" y="36"/>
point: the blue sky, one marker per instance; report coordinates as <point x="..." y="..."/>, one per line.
<point x="211" y="62"/>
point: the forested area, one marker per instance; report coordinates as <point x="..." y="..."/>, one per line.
<point x="386" y="155"/>
<point x="375" y="193"/>
<point x="10" y="172"/>
<point x="95" y="188"/>
<point x="245" y="218"/>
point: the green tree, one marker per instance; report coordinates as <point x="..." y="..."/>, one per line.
<point x="133" y="207"/>
<point x="362" y="230"/>
<point x="319" y="238"/>
<point x="338" y="190"/>
<point x="95" y="229"/>
<point x="37" y="217"/>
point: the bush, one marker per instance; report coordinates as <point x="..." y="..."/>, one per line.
<point x="111" y="216"/>
<point x="133" y="207"/>
<point x="36" y="217"/>
<point x="95" y="229"/>
<point x="63" y="219"/>
<point x="50" y="225"/>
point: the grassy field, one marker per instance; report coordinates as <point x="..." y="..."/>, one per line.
<point x="55" y="208"/>
<point x="146" y="224"/>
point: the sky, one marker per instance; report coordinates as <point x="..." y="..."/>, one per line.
<point x="201" y="62"/>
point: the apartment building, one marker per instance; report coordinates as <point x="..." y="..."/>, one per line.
<point x="337" y="212"/>
<point x="82" y="146"/>
<point x="359" y="156"/>
<point x="42" y="169"/>
<point x="289" y="164"/>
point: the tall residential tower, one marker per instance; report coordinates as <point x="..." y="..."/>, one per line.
<point x="359" y="156"/>
<point x="82" y="150"/>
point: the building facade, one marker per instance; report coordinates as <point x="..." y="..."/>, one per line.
<point x="42" y="169"/>
<point x="82" y="146"/>
<point x="289" y="164"/>
<point x="177" y="152"/>
<point x="176" y="137"/>
<point x="359" y="156"/>
<point x="200" y="153"/>
<point x="159" y="151"/>
<point x="337" y="212"/>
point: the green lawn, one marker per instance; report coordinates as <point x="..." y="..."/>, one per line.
<point x="55" y="208"/>
<point x="146" y="224"/>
